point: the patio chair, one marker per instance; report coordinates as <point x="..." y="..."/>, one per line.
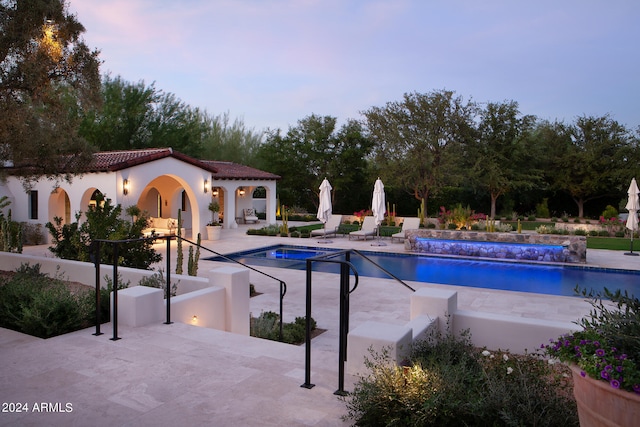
<point x="407" y="224"/>
<point x="250" y="216"/>
<point x="330" y="227"/>
<point x="368" y="228"/>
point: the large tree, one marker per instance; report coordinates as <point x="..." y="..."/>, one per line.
<point x="500" y="159"/>
<point x="415" y="140"/>
<point x="313" y="150"/>
<point x="594" y="160"/>
<point x="49" y="78"/>
<point x="135" y="115"/>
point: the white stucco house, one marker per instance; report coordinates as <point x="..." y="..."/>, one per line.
<point x="158" y="180"/>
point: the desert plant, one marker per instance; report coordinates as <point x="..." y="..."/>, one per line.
<point x="157" y="280"/>
<point x="37" y="304"/>
<point x="448" y="381"/>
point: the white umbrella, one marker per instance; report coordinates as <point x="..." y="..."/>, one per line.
<point x="378" y="205"/>
<point x="633" y="205"/>
<point x="325" y="208"/>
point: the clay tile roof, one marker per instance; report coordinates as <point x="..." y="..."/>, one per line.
<point x="107" y="161"/>
<point x="229" y="170"/>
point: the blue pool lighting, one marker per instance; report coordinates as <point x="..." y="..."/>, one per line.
<point x="503" y="275"/>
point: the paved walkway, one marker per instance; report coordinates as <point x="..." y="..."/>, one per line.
<point x="184" y="375"/>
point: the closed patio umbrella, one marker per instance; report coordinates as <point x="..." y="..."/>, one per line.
<point x="324" y="207"/>
<point x="633" y="205"/>
<point x="378" y="205"/>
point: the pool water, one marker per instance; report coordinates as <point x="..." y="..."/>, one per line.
<point x="510" y="276"/>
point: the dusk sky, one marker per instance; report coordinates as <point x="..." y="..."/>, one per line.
<point x="274" y="62"/>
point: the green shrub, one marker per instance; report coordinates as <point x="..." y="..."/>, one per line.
<point x="267" y="326"/>
<point x="34" y="303"/>
<point x="452" y="226"/>
<point x="580" y="232"/>
<point x="619" y="234"/>
<point x="294" y="234"/>
<point x="542" y="209"/>
<point x="157" y="280"/>
<point x="576" y="220"/>
<point x="431" y="225"/>
<point x="610" y="212"/>
<point x="593" y="233"/>
<point x="451" y="382"/>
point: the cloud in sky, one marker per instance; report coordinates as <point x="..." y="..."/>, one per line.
<point x="274" y="62"/>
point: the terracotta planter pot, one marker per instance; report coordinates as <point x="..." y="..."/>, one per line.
<point x="599" y="404"/>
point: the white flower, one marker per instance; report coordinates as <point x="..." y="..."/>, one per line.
<point x="509" y="370"/>
<point x="486" y="353"/>
<point x="505" y="357"/>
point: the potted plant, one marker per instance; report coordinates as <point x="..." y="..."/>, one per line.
<point x="605" y="360"/>
<point x="214" y="229"/>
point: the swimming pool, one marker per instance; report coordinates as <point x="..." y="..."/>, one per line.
<point x="510" y="276"/>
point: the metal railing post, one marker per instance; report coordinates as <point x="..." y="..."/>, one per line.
<point x="114" y="319"/>
<point x="168" y="322"/>
<point x="307" y="345"/>
<point x="96" y="260"/>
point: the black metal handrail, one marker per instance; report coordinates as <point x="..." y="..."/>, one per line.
<point x="283" y="285"/>
<point x="98" y="242"/>
<point x="345" y="266"/>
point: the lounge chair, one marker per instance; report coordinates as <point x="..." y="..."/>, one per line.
<point x="250" y="216"/>
<point x="407" y="224"/>
<point x="368" y="228"/>
<point x="330" y="227"/>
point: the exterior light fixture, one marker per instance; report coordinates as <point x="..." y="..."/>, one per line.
<point x="215" y="192"/>
<point x="206" y="185"/>
<point x="194" y="319"/>
<point x="241" y="191"/>
<point x="125" y="187"/>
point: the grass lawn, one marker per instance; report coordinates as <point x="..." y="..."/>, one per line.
<point x="612" y="243"/>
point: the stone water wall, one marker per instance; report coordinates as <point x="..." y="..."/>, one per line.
<point x="515" y="246"/>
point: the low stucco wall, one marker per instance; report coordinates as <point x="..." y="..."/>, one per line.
<point x="516" y="246"/>
<point x="220" y="301"/>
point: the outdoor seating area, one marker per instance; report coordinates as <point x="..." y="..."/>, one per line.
<point x="250" y="216"/>
<point x="369" y="228"/>
<point x="330" y="227"/>
<point x="407" y="224"/>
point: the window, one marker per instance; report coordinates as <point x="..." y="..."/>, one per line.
<point x="184" y="201"/>
<point x="33" y="204"/>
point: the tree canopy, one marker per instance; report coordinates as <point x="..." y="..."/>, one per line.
<point x="313" y="150"/>
<point x="49" y="79"/>
<point x="415" y="139"/>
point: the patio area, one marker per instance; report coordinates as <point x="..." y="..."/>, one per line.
<point x="182" y="374"/>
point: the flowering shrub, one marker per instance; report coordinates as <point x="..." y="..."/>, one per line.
<point x="362" y="213"/>
<point x="612" y="225"/>
<point x="448" y="381"/>
<point x="608" y="347"/>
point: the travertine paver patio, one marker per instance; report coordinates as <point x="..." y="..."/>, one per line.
<point x="184" y="375"/>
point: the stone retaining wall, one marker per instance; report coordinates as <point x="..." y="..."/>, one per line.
<point x="516" y="246"/>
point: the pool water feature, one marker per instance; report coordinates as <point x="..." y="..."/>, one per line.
<point x="503" y="275"/>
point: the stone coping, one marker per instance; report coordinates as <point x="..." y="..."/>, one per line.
<point x="516" y="246"/>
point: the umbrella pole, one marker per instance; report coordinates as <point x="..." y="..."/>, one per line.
<point x="631" y="248"/>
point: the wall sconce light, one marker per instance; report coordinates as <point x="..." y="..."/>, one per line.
<point x="194" y="319"/>
<point x="125" y="187"/>
<point x="215" y="192"/>
<point x="241" y="191"/>
<point x="206" y="185"/>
